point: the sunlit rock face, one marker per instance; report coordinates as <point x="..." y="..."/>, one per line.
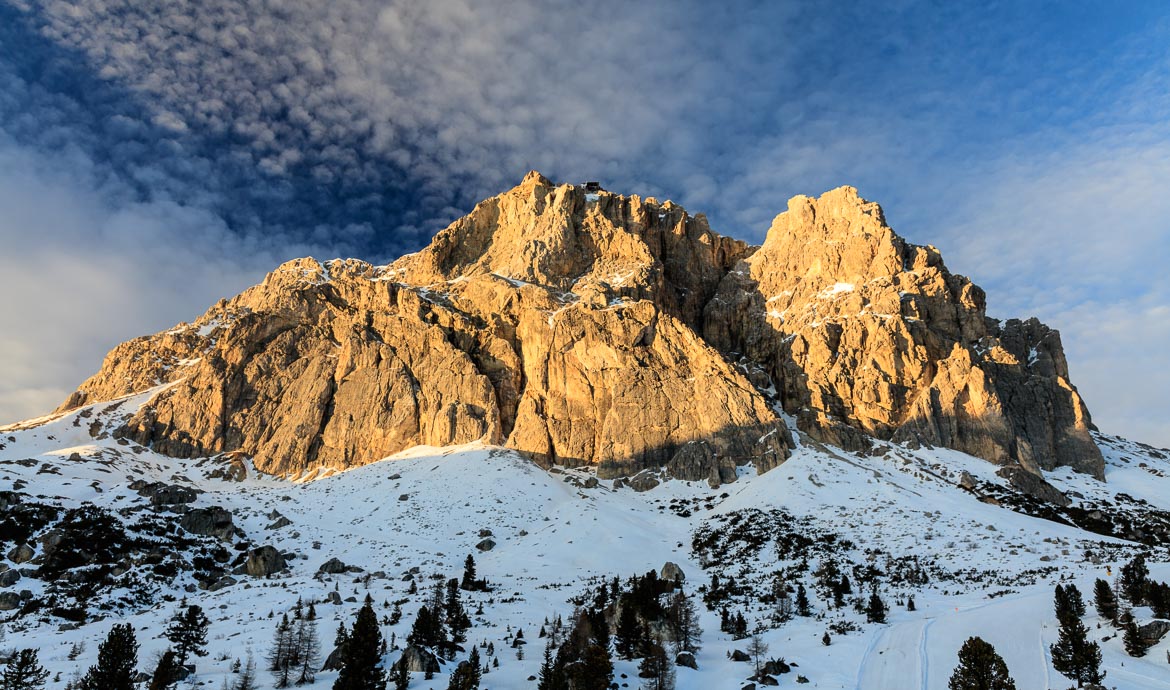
<point x="591" y="328"/>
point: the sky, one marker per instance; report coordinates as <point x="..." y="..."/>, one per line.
<point x="155" y="157"/>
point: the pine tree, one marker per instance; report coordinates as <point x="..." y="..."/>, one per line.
<point x="549" y="677"/>
<point x="166" y="673"/>
<point x="629" y="633"/>
<point x="1073" y="655"/>
<point x="684" y="620"/>
<point x="247" y="679"/>
<point x="1133" y="579"/>
<point x="1105" y="600"/>
<point x="757" y="648"/>
<point x="308" y="650"/>
<point x="23" y="672"/>
<point x="282" y="658"/>
<point x="656" y="667"/>
<point x="362" y="660"/>
<point x="458" y="621"/>
<point x="826" y="640"/>
<point x="802" y="606"/>
<point x="188" y="633"/>
<point x="117" y="657"/>
<point x="980" y="668"/>
<point x="468" y="582"/>
<point x="400" y="675"/>
<point x="1135" y="644"/>
<point x="910" y="603"/>
<point x="875" y="611"/>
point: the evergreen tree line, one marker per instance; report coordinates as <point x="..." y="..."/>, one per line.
<point x="295" y="654"/>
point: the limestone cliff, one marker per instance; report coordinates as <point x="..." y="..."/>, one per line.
<point x="594" y="328"/>
<point x="867" y="335"/>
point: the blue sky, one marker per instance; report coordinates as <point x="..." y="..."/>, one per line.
<point x="155" y="160"/>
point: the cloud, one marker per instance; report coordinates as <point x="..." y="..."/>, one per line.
<point x="157" y="156"/>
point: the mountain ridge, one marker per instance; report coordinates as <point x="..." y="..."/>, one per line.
<point x="583" y="327"/>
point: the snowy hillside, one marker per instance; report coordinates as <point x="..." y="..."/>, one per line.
<point x="972" y="564"/>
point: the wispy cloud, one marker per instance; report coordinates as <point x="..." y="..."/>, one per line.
<point x="154" y="157"/>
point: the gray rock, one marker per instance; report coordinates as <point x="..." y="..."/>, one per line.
<point x="767" y="680"/>
<point x="418" y="660"/>
<point x="698" y="461"/>
<point x="280" y="522"/>
<point x="169" y="494"/>
<point x="9" y="577"/>
<point x="21" y="553"/>
<point x="1033" y="485"/>
<point x="1154" y="631"/>
<point x="739" y="655"/>
<point x="333" y="566"/>
<point x="966" y="481"/>
<point x="484" y="533"/>
<point x="591" y="483"/>
<point x="686" y="659"/>
<point x="643" y="481"/>
<point x="671" y="572"/>
<point x="215" y="521"/>
<point x="221" y="583"/>
<point x="486" y="545"/>
<point x="9" y="601"/>
<point x="264" y="561"/>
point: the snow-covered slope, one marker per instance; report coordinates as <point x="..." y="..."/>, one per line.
<point x="988" y="570"/>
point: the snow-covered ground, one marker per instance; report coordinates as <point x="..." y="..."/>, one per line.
<point x="994" y="569"/>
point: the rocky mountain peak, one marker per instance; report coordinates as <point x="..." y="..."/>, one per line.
<point x="580" y="326"/>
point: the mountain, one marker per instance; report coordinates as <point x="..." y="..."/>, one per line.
<point x="589" y="328"/>
<point x="615" y="413"/>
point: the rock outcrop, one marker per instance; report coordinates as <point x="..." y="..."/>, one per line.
<point x="866" y="335"/>
<point x="591" y="328"/>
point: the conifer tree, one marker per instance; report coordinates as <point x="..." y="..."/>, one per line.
<point x="247" y="679"/>
<point x="468" y="582"/>
<point x="23" y="672"/>
<point x="656" y="667"/>
<point x="980" y="668"/>
<point x="117" y="657"/>
<point x="400" y="675"/>
<point x="875" y="610"/>
<point x="629" y="633"/>
<point x="825" y="639"/>
<point x="802" y="606"/>
<point x="1135" y="644"/>
<point x="362" y="659"/>
<point x="1133" y="579"/>
<point x="1073" y="655"/>
<point x="308" y="649"/>
<point x="684" y="621"/>
<point x="166" y="673"/>
<point x="188" y="633"/>
<point x="1105" y="600"/>
<point x="282" y="658"/>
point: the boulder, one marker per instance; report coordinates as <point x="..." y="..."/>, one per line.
<point x="643" y="481"/>
<point x="739" y="655"/>
<point x="21" y="553"/>
<point x="671" y="572"/>
<point x="486" y="545"/>
<point x="169" y="494"/>
<point x="264" y="561"/>
<point x="418" y="660"/>
<point x="9" y="577"/>
<point x="686" y="659"/>
<point x="1033" y="485"/>
<point x="9" y="601"/>
<point x="333" y="566"/>
<point x="1154" y="631"/>
<point x="215" y="521"/>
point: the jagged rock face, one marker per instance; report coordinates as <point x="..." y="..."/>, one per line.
<point x="864" y="332"/>
<point x="580" y="353"/>
<point x="607" y="330"/>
